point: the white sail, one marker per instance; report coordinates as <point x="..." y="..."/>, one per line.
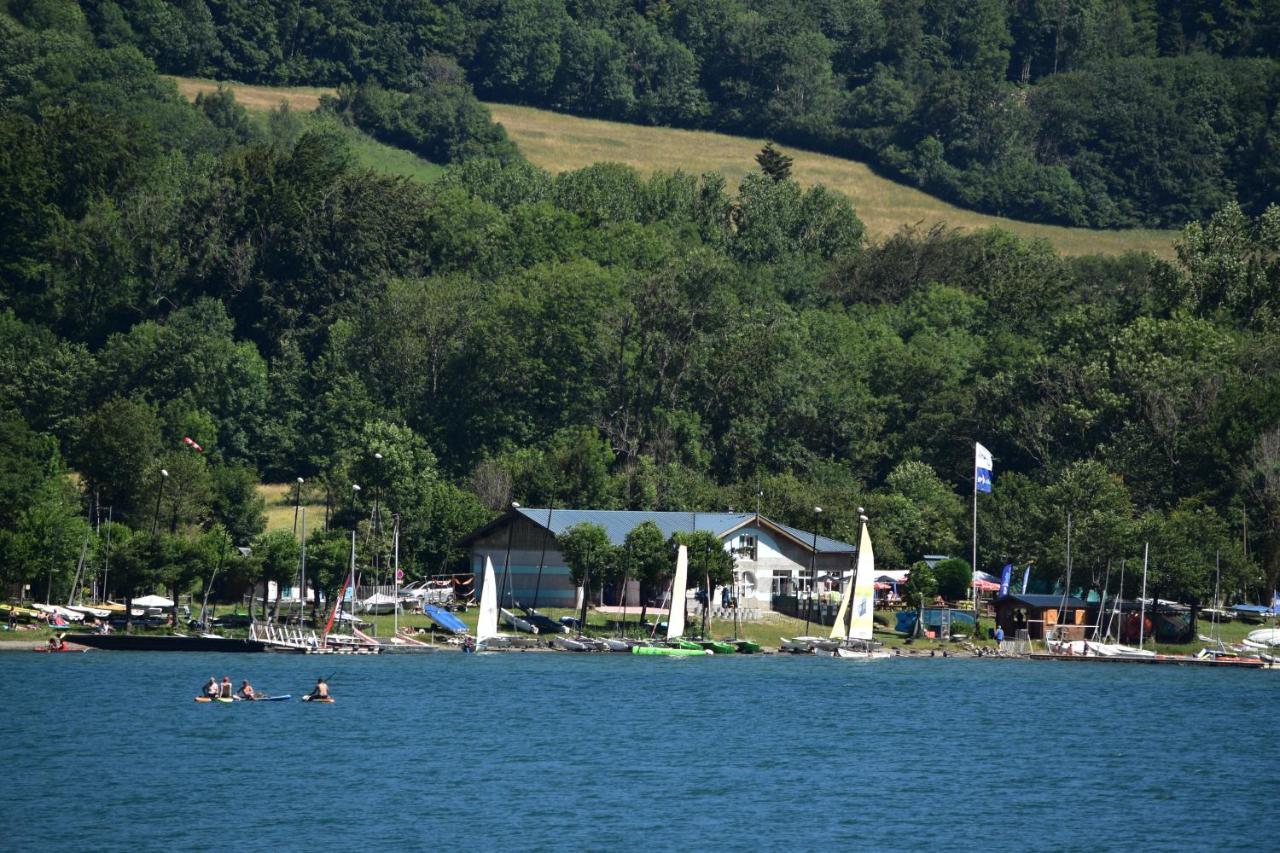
<point x="862" y="605"/>
<point x="675" y="622"/>
<point x="837" y="627"/>
<point x="487" y="625"/>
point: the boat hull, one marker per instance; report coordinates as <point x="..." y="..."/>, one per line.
<point x="666" y="651"/>
<point x="1168" y="660"/>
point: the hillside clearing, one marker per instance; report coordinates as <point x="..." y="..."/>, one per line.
<point x="558" y="143"/>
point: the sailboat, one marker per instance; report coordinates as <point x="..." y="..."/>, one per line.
<point x="676" y="645"/>
<point x="858" y="603"/>
<point x="487" y="636"/>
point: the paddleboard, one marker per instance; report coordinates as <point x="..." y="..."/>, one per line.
<point x="326" y="699"/>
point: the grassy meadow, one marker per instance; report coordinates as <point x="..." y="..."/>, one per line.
<point x="369" y="152"/>
<point x="558" y="143"/>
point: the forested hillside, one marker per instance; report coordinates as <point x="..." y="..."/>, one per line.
<point x="593" y="339"/>
<point x="1086" y="112"/>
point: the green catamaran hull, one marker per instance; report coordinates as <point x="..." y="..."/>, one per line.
<point x="669" y="652"/>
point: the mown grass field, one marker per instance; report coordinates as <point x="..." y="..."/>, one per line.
<point x="279" y="498"/>
<point x="369" y="152"/>
<point x="559" y="143"/>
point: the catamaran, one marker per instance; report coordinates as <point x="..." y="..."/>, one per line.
<point x="857" y="603"/>
<point x="676" y="645"/>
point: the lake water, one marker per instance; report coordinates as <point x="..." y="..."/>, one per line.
<point x="107" y="751"/>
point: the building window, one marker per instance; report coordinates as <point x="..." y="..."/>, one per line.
<point x="746" y="546"/>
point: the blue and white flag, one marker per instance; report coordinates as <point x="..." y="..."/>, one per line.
<point x="1026" y="576"/>
<point x="982" y="468"/>
<point x="1005" y="577"/>
<point x="1275" y="602"/>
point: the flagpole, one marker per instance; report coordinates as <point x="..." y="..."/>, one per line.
<point x="973" y="584"/>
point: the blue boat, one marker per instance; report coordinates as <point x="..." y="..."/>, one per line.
<point x="962" y="621"/>
<point x="444" y="619"/>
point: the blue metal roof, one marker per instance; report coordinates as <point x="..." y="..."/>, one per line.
<point x="618" y="523"/>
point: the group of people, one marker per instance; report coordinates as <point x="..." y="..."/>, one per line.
<point x="213" y="689"/>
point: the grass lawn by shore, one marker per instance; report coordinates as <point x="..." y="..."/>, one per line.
<point x="558" y="142"/>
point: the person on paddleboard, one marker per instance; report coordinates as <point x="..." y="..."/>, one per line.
<point x="246" y="691"/>
<point x="320" y="691"/>
<point x="210" y="690"/>
<point x="225" y="689"/>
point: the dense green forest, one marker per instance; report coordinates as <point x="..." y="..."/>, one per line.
<point x="594" y="339"/>
<point x="1085" y="112"/>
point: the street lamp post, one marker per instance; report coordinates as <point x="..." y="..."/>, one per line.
<point x="297" y="502"/>
<point x="506" y="561"/>
<point x="155" y="518"/>
<point x="375" y="519"/>
<point x="813" y="570"/>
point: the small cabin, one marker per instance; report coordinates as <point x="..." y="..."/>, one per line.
<point x="1038" y="614"/>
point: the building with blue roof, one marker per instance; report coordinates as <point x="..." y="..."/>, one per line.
<point x="770" y="558"/>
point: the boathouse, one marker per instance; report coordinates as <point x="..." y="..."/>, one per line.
<point x="770" y="558"/>
<point x="1037" y="614"/>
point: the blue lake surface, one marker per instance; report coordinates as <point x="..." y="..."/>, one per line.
<point x="519" y="751"/>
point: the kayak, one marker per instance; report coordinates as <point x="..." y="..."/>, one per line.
<point x="48" y="650"/>
<point x="286" y="697"/>
<point x="325" y="699"/>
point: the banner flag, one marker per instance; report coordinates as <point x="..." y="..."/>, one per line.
<point x="982" y="469"/>
<point x="1005" y="577"/>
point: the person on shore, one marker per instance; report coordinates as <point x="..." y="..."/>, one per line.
<point x="225" y="689"/>
<point x="246" y="691"/>
<point x="320" y="691"/>
<point x="210" y="689"/>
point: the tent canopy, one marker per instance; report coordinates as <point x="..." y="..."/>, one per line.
<point x="152" y="601"/>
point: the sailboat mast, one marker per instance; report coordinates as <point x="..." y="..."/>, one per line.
<point x="353" y="579"/>
<point x="1142" y="609"/>
<point x="542" y="559"/>
<point x="1116" y="610"/>
<point x="395" y="605"/>
<point x="1217" y="585"/>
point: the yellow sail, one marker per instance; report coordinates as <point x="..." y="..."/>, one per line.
<point x="862" y="605"/>
<point x="837" y="628"/>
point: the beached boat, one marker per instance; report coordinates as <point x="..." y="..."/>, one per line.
<point x="1263" y="638"/>
<point x="545" y="624"/>
<point x="379" y="604"/>
<point x="747" y="647"/>
<point x="444" y="619"/>
<point x="512" y="620"/>
<point x="718" y="647"/>
<point x="487" y="636"/>
<point x="667" y="651"/>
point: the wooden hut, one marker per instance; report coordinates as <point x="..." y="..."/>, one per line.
<point x="1037" y="614"/>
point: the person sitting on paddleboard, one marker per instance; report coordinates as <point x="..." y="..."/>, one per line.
<point x="211" y="688"/>
<point x="246" y="691"/>
<point x="56" y="644"/>
<point x="225" y="688"/>
<point x="321" y="690"/>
